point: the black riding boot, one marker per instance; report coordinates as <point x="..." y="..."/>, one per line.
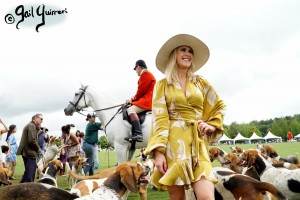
<point x="136" y="129"/>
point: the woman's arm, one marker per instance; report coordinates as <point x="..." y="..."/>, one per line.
<point x="5" y="127"/>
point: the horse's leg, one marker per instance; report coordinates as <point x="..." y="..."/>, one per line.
<point x="121" y="151"/>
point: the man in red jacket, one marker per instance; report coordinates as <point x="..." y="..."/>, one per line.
<point x="141" y="101"/>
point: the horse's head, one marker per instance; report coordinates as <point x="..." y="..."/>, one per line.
<point x="79" y="102"/>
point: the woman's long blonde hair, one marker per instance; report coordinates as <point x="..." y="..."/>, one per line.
<point x="171" y="70"/>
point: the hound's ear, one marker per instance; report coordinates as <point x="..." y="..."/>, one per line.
<point x="46" y="166"/>
<point x="128" y="179"/>
<point x="235" y="159"/>
<point x="251" y="159"/>
<point x="252" y="173"/>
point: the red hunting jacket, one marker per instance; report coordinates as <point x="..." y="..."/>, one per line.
<point x="143" y="96"/>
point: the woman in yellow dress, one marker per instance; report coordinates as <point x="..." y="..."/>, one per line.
<point x="187" y="117"/>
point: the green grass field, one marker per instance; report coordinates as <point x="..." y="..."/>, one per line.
<point x="108" y="159"/>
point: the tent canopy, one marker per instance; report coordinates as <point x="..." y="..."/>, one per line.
<point x="225" y="138"/>
<point x="254" y="136"/>
<point x="239" y="137"/>
<point x="297" y="136"/>
<point x="272" y="136"/>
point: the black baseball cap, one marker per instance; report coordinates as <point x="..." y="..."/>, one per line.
<point x="90" y="116"/>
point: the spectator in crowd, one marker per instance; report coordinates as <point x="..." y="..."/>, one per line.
<point x="2" y="131"/>
<point x="29" y="147"/>
<point x="78" y="135"/>
<point x="43" y="139"/>
<point x="11" y="157"/>
<point x="90" y="140"/>
<point x="63" y="157"/>
<point x="4" y="151"/>
<point x="72" y="144"/>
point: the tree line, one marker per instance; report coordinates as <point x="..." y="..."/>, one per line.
<point x="278" y="126"/>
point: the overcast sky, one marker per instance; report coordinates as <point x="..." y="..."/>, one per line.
<point x="254" y="54"/>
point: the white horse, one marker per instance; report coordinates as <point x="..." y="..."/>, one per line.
<point x="116" y="128"/>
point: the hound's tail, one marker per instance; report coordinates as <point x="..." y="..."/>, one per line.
<point x="103" y="174"/>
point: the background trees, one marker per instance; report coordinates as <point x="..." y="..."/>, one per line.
<point x="278" y="126"/>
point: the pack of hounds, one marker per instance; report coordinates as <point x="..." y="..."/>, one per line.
<point x="253" y="174"/>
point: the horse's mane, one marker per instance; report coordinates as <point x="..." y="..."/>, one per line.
<point x="103" y="94"/>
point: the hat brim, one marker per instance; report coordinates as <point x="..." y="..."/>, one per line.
<point x="201" y="51"/>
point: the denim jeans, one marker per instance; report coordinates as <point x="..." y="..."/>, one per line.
<point x="89" y="151"/>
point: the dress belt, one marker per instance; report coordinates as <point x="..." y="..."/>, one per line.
<point x="198" y="143"/>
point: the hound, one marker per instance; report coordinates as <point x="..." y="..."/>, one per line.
<point x="125" y="178"/>
<point x="238" y="150"/>
<point x="288" y="181"/>
<point x="234" y="163"/>
<point x="4" y="178"/>
<point x="33" y="190"/>
<point x="216" y="153"/>
<point x="51" y="171"/>
<point x="50" y="154"/>
<point x="237" y="186"/>
<point x="77" y="168"/>
<point x="270" y="151"/>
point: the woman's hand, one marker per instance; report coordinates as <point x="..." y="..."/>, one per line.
<point x="160" y="162"/>
<point x="205" y="128"/>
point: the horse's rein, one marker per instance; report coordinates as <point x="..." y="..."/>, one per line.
<point x="83" y="95"/>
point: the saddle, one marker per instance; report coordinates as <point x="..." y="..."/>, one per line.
<point x="142" y="115"/>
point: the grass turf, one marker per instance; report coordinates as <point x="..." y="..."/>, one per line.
<point x="108" y="159"/>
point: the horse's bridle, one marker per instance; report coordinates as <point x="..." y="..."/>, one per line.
<point x="82" y="94"/>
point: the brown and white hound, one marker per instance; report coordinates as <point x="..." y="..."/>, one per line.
<point x="124" y="178"/>
<point x="237" y="186"/>
<point x="50" y="172"/>
<point x="287" y="181"/>
<point x="271" y="152"/>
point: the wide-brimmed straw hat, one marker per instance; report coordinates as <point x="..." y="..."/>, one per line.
<point x="201" y="51"/>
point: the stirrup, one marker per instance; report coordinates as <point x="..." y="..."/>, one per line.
<point x="137" y="138"/>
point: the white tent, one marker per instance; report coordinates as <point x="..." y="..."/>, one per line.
<point x="297" y="137"/>
<point x="254" y="136"/>
<point x="239" y="137"/>
<point x="272" y="136"/>
<point x="224" y="138"/>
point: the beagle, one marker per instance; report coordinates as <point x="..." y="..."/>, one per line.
<point x="122" y="179"/>
<point x="50" y="173"/>
<point x="288" y="181"/>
